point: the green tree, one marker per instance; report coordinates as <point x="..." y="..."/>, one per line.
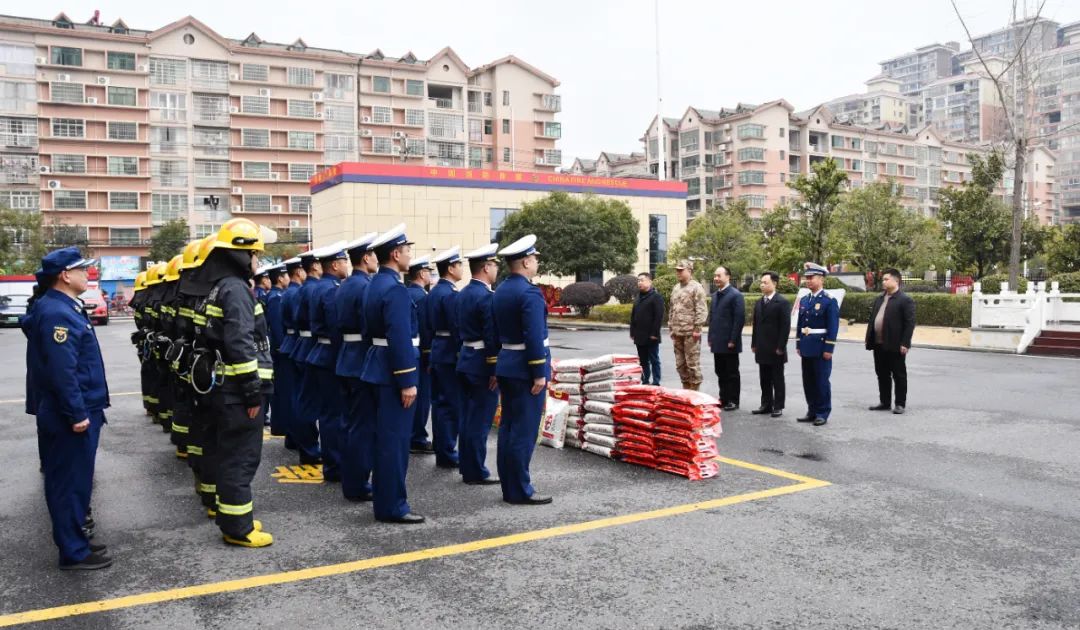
<point x="281" y="251"/>
<point x="721" y="236"/>
<point x="169" y="240"/>
<point x="977" y="223"/>
<point x="820" y="195"/>
<point x="1063" y="249"/>
<point x="784" y="240"/>
<point x="59" y="234"/>
<point x="880" y="233"/>
<point x="21" y="241"/>
<point x="577" y="235"/>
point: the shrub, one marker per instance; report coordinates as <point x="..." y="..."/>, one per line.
<point x="623" y="288"/>
<point x="832" y="282"/>
<point x="931" y="309"/>
<point x="1068" y="282"/>
<point x="921" y="286"/>
<point x="785" y="286"/>
<point x="991" y="285"/>
<point x="664" y="285"/>
<point x="752" y="300"/>
<point x="612" y="313"/>
<point x="583" y="296"/>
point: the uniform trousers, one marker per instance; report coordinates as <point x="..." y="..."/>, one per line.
<point x="393" y="428"/>
<point x="358" y="438"/>
<point x="239" y="441"/>
<point x="446" y="413"/>
<point x="478" y="415"/>
<point x="518" y="426"/>
<point x="815" y="376"/>
<point x="68" y="463"/>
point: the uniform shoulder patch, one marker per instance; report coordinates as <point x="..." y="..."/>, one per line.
<point x="60" y="334"/>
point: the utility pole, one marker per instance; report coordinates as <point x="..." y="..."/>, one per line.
<point x="661" y="141"/>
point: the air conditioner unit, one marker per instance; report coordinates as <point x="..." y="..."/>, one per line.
<point x="63" y="77"/>
<point x="103" y="80"/>
<point x="234" y="77"/>
<point x="319" y="115"/>
<point x="399" y="134"/>
<point x="294" y="223"/>
<point x="144" y="68"/>
<point x="264" y="91"/>
<point x="236" y="190"/>
<point x="366" y="120"/>
<point x="275" y="176"/>
<point x="365" y="133"/>
<point x="275" y="208"/>
<point x="54" y="184"/>
<point x="44" y="170"/>
<point x="234" y="110"/>
<point x="41" y="61"/>
<point x="238" y="208"/>
<point x="90" y="100"/>
<point x="316" y="96"/>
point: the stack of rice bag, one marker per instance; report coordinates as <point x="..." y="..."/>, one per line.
<point x="633" y="414"/>
<point x="566" y="384"/>
<point x="602" y="378"/>
<point x="686" y="424"/>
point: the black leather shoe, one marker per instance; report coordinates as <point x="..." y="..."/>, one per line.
<point x="91" y="562"/>
<point x="807" y="418"/>
<point x="730" y="407"/>
<point x="360" y="498"/>
<point x="450" y="465"/>
<point x="490" y="481"/>
<point x="95" y="548"/>
<point x="422" y="449"/>
<point x="535" y="499"/>
<point x="405" y="519"/>
<point x="880" y="407"/>
<point x="819" y="421"/>
<point x="898" y="410"/>
<point x="777" y="413"/>
<point x="760" y="411"/>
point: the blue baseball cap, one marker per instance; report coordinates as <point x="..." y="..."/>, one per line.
<point x="64" y="259"/>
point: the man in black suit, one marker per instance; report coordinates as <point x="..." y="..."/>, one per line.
<point x="646" y="316"/>
<point x="726" y="321"/>
<point x="768" y="342"/>
<point x="888" y="336"/>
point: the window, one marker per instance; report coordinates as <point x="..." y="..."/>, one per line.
<point x="120" y="61"/>
<point x="210" y="108"/>
<point x="497" y="216"/>
<point x="301" y="172"/>
<point x="553" y="157"/>
<point x="255" y="72"/>
<point x="20" y="199"/>
<point x="414" y="117"/>
<point x="123" y="130"/>
<point x="751" y="154"/>
<point x="256" y="203"/>
<point x="69" y="163"/>
<point x="68" y="128"/>
<point x="256" y="170"/>
<point x="302" y="140"/>
<point x="856" y="143"/>
<point x="658" y="240"/>
<point x="476" y="157"/>
<point x="381" y="144"/>
<point x="169" y="173"/>
<point x="441" y="125"/>
<point x="258" y="138"/>
<point x="123" y="201"/>
<point x="66" y="92"/>
<point x="339" y="86"/>
<point x="167" y="139"/>
<point x="18" y="61"/>
<point x="489" y="155"/>
<point x="301" y="76"/>
<point x="753" y="201"/>
<point x="751" y="177"/>
<point x="18" y="97"/>
<point x="688" y="140"/>
<point x="447" y="153"/>
<point x="750" y="130"/>
<point x="693" y="186"/>
<point x="415" y="146"/>
<point x="69" y="199"/>
<point x="413" y="87"/>
<point x="782" y="131"/>
<point x="202" y="230"/>
<point x="380" y="84"/>
<point x="476" y="130"/>
<point x="506" y="125"/>
<point x="169" y="207"/>
<point x="123" y="165"/>
<point x="301" y="108"/>
<point x="300" y="204"/>
<point x="382" y="115"/>
<point x="506" y="155"/>
<point x="890" y="168"/>
<point x="211" y="174"/>
<point x="124" y="236"/>
<point x="487" y="99"/>
<point x="506" y="98"/>
<point x="170" y="106"/>
<point x="122" y="96"/>
<point x="856" y="165"/>
<point x="18" y="169"/>
<point x="838" y="142"/>
<point x="339" y="148"/>
<point x="255" y="104"/>
<point x="340" y="118"/>
<point x="18" y="132"/>
<point x="167" y="71"/>
<point x="488" y="127"/>
<point x="63" y="56"/>
<point x="552" y="130"/>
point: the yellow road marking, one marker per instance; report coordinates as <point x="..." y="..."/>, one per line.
<point x="311" y="573"/>
<point x="15" y="401"/>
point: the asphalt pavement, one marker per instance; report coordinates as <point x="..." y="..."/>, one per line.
<point x="963" y="513"/>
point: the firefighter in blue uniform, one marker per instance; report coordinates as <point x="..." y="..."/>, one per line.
<point x="66" y="370"/>
<point x="391" y="368"/>
<point x="476" y="364"/>
<point x="322" y="359"/>
<point x="523" y="369"/>
<point x="445" y="392"/>
<point x="286" y="376"/>
<point x="305" y="429"/>
<point x="815" y="341"/>
<point x="418" y="280"/>
<point x="358" y="428"/>
<point x="262" y="284"/>
<point x="279" y="413"/>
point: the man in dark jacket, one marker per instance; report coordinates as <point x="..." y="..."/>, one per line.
<point x="768" y="342"/>
<point x="645" y="319"/>
<point x="888" y="336"/>
<point x="726" y="321"/>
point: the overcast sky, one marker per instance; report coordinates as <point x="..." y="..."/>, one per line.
<point x="713" y="53"/>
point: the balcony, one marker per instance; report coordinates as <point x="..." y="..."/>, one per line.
<point x="211" y="117"/>
<point x="18" y="141"/>
<point x="208" y="84"/>
<point x="445" y="133"/>
<point x="475" y="107"/>
<point x="18" y="176"/>
<point x="441" y="103"/>
<point x="212" y="181"/>
<point x="689" y="171"/>
<point x="794" y="147"/>
<point x="211" y="150"/>
<point x="550" y="103"/>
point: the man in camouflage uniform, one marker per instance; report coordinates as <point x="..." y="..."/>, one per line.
<point x="689" y="311"/>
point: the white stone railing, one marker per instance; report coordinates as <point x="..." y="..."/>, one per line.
<point x="1020" y="317"/>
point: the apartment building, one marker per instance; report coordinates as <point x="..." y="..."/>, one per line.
<point x="1057" y="108"/>
<point x="882" y="105"/>
<point x="652" y="146"/>
<point x="920" y="67"/>
<point x="966" y="107"/>
<point x="113" y="131"/>
<point x="610" y="164"/>
<point x="1004" y="42"/>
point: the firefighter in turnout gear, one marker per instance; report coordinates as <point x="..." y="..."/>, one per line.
<point x="238" y="336"/>
<point x="197" y="369"/>
<point x="180" y="352"/>
<point x="178" y="427"/>
<point x="151" y="365"/>
<point x="136" y="304"/>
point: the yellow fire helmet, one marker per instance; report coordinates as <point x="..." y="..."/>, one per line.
<point x="154" y="273"/>
<point x="140" y="281"/>
<point x="172" y="269"/>
<point x="191" y="255"/>
<point x="205" y="247"/>
<point x="240" y="234"/>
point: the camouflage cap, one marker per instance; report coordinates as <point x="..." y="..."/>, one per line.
<point x="685" y="264"/>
